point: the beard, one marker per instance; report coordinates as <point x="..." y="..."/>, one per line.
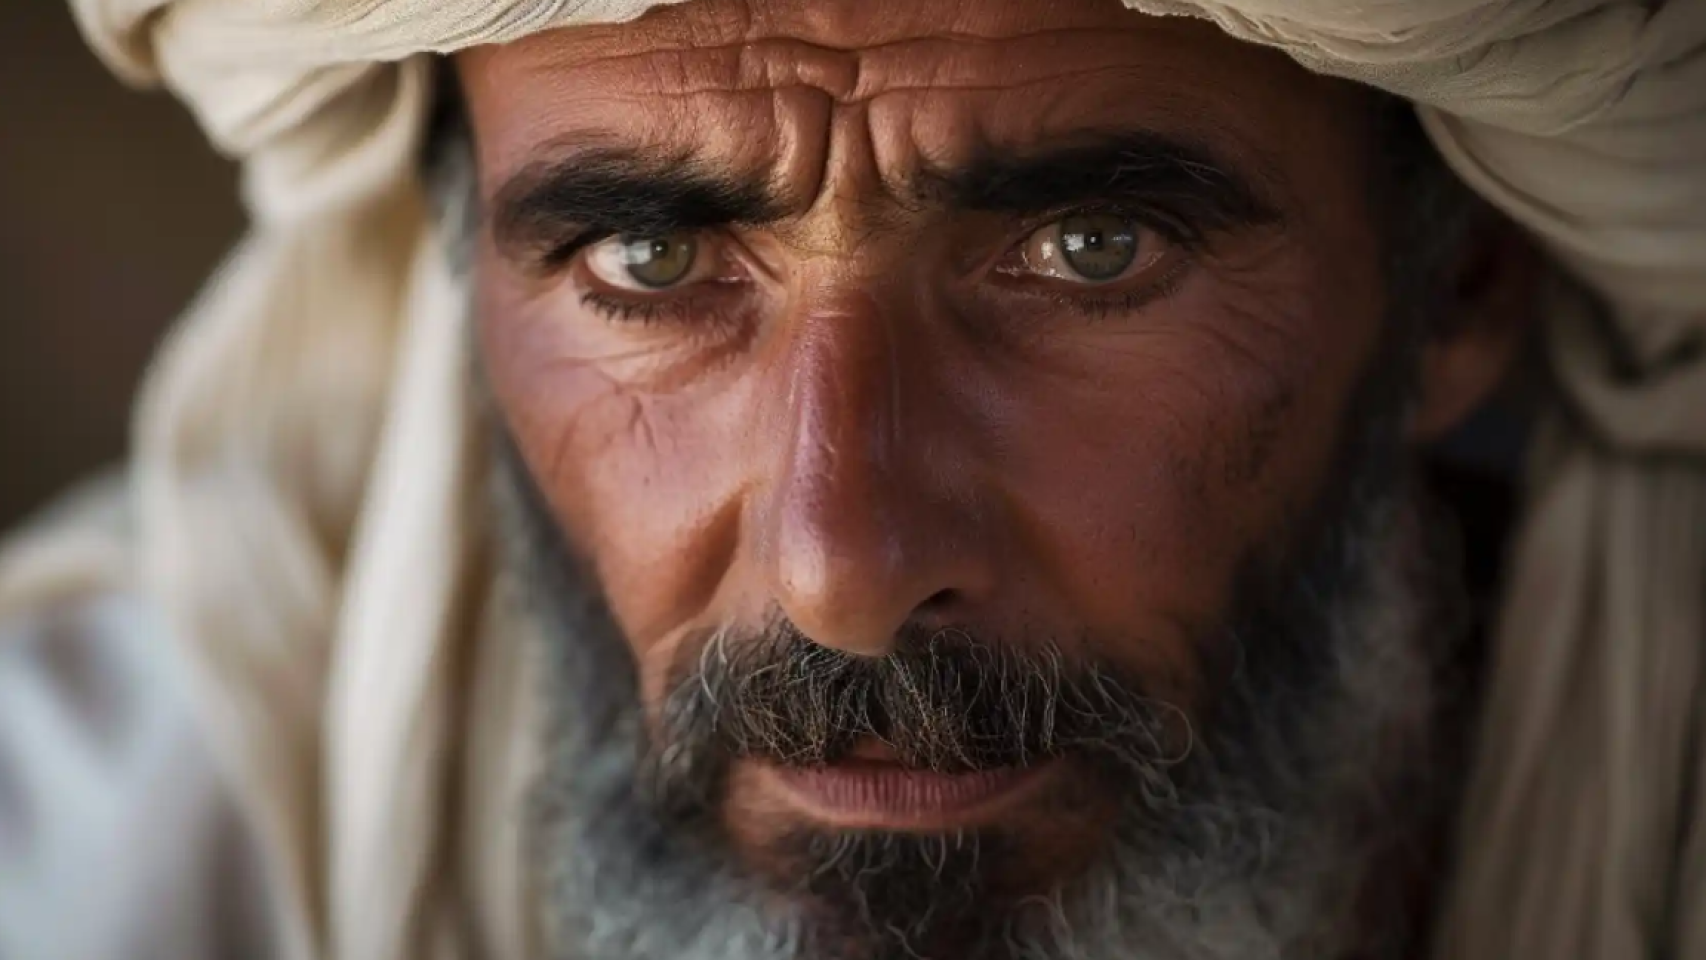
<point x="1254" y="830"/>
<point x="1263" y="830"/>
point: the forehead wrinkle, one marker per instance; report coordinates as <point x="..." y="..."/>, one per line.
<point x="1067" y="120"/>
<point x="665" y="82"/>
<point x="793" y="67"/>
<point x="852" y="100"/>
<point x="952" y="62"/>
<point x="907" y="176"/>
<point x="665" y="90"/>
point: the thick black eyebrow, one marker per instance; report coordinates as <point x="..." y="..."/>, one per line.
<point x="545" y="213"/>
<point x="1185" y="184"/>
<point x="548" y="210"/>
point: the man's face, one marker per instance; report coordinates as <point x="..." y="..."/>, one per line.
<point x="939" y="397"/>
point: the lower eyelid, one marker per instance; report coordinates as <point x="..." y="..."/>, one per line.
<point x="639" y="310"/>
<point x="707" y="297"/>
<point x="703" y="300"/>
<point x="1116" y="296"/>
<point x="1067" y="284"/>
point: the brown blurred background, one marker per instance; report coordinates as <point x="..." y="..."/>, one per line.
<point x="112" y="211"/>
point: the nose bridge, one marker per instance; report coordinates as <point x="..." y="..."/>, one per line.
<point x="852" y="547"/>
<point x="844" y="396"/>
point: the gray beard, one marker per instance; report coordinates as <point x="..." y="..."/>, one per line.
<point x="1268" y="841"/>
<point x="1260" y="845"/>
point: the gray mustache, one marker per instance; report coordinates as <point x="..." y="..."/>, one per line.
<point x="942" y="700"/>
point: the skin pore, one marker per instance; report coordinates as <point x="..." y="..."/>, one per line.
<point x="921" y="401"/>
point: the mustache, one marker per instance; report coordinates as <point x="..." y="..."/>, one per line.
<point x="942" y="700"/>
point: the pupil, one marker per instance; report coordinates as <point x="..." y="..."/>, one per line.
<point x="1098" y="248"/>
<point x="659" y="262"/>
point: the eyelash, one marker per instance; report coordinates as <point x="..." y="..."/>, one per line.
<point x="693" y="311"/>
<point x="1130" y="301"/>
<point x="1171" y="226"/>
<point x="1174" y="230"/>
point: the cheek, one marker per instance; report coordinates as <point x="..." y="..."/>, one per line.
<point x="642" y="481"/>
<point x="1127" y="467"/>
<point x="1142" y="482"/>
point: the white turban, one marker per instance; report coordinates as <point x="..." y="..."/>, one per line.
<point x="307" y="511"/>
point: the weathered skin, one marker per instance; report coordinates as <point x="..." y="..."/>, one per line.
<point x="868" y="414"/>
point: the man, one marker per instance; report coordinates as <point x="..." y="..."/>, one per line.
<point x="932" y="480"/>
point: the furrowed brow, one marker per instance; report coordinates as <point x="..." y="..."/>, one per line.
<point x="546" y="212"/>
<point x="1175" y="179"/>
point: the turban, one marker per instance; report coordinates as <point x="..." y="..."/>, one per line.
<point x="307" y="513"/>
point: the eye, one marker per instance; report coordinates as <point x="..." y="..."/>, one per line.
<point x="646" y="264"/>
<point x="1091" y="249"/>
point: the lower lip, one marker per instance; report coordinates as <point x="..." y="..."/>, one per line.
<point x="864" y="794"/>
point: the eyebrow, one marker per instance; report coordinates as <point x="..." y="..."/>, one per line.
<point x="1184" y="183"/>
<point x="549" y="210"/>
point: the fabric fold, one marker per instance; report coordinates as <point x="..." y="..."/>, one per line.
<point x="303" y="458"/>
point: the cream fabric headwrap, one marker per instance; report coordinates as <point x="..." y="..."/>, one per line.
<point x="304" y="465"/>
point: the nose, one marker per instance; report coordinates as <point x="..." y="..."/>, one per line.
<point x="867" y="522"/>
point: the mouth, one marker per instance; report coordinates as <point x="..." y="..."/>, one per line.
<point x="870" y="790"/>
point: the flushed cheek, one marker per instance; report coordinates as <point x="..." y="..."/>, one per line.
<point x="641" y="480"/>
<point x="1140" y="491"/>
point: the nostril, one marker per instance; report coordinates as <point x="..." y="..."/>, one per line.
<point x="939" y="601"/>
